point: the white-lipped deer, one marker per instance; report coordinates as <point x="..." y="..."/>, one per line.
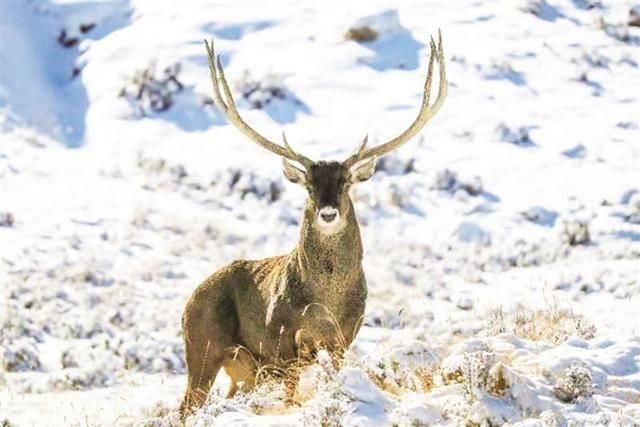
<point x="279" y="310"/>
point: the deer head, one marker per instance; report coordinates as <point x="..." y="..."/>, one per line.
<point x="328" y="182"/>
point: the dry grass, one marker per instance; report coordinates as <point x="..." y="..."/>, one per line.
<point x="388" y="376"/>
<point x="497" y="382"/>
<point x="425" y="376"/>
<point x="552" y="324"/>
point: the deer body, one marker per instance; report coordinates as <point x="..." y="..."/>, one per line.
<point x="281" y="310"/>
<point x="277" y="298"/>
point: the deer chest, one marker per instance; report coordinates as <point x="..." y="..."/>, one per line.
<point x="318" y="316"/>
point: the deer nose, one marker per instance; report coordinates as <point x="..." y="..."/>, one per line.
<point x="328" y="217"/>
<point x="328" y="214"/>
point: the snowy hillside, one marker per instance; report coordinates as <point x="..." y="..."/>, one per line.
<point x="502" y="245"/>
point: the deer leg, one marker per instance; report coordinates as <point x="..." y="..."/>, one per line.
<point x="241" y="367"/>
<point x="206" y="333"/>
<point x="202" y="366"/>
<point x="306" y="351"/>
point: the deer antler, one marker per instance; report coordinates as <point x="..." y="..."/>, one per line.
<point x="425" y="114"/>
<point x="229" y="110"/>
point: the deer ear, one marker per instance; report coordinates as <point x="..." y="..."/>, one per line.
<point x="292" y="173"/>
<point x="363" y="171"/>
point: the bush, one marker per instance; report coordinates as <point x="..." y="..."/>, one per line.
<point x="448" y="181"/>
<point x="258" y="93"/>
<point x="394" y="165"/>
<point x="361" y="34"/>
<point x="477" y="371"/>
<point x="148" y="92"/>
<point x="574" y="383"/>
<point x="575" y="233"/>
<point x="519" y="136"/>
<point x="81" y="379"/>
<point x="21" y="355"/>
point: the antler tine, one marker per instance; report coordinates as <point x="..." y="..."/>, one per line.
<point x="304" y="161"/>
<point x="443" y="75"/>
<point x="230" y="112"/>
<point x="217" y="98"/>
<point x="225" y="87"/>
<point x="424" y="115"/>
<point x="363" y="144"/>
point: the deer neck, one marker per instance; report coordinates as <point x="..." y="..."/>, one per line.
<point x="329" y="259"/>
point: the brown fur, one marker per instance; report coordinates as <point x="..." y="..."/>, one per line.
<point x="282" y="309"/>
<point x="277" y="311"/>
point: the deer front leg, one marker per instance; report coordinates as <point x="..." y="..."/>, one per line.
<point x="306" y="352"/>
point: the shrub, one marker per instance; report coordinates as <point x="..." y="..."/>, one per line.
<point x="66" y="40"/>
<point x="574" y="383"/>
<point x="575" y="233"/>
<point x="258" y="93"/>
<point x="149" y="92"/>
<point x="519" y="136"/>
<point x="394" y="165"/>
<point x="471" y="369"/>
<point x="80" y="379"/>
<point x="448" y="181"/>
<point x="21" y="355"/>
<point x="261" y="188"/>
<point x="410" y="367"/>
<point x="361" y="34"/>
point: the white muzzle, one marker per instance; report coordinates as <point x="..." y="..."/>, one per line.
<point x="328" y="216"/>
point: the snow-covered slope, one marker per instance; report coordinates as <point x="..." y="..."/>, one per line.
<point x="121" y="188"/>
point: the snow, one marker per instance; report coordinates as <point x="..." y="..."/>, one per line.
<point x="501" y="245"/>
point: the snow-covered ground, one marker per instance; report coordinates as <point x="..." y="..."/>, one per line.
<point x="120" y="190"/>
